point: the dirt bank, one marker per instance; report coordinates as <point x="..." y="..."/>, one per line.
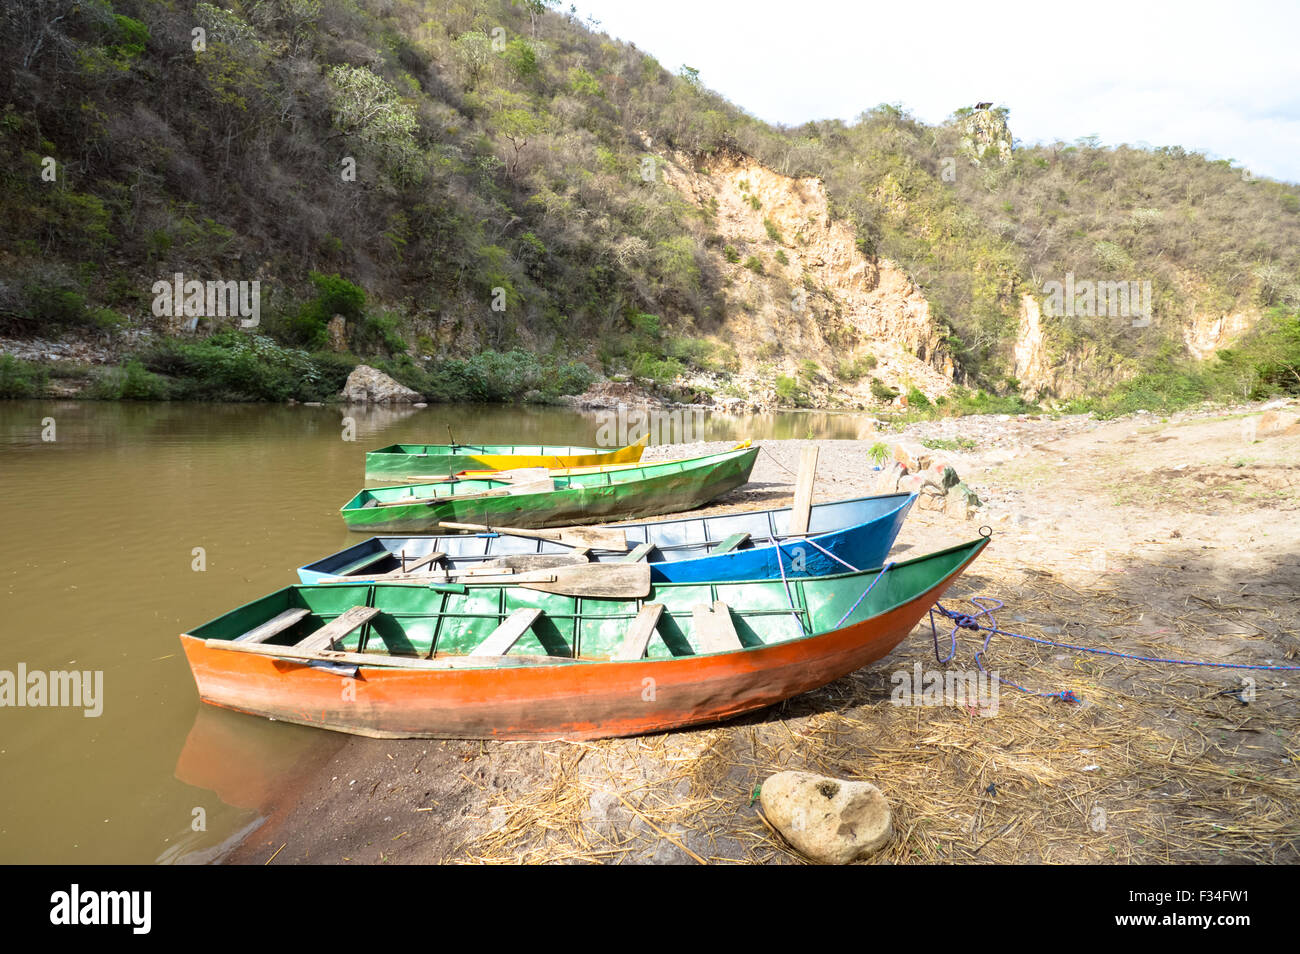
<point x="1177" y="538"/>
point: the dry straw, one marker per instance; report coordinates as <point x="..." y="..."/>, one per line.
<point x="1156" y="765"/>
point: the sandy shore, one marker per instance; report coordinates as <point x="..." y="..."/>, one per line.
<point x="1165" y="538"/>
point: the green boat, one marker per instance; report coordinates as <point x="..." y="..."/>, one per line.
<point x="427" y="461"/>
<point x="646" y="490"/>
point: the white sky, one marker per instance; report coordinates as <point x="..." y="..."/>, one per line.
<point x="1221" y="78"/>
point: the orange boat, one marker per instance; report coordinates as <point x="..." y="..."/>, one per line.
<point x="494" y="661"/>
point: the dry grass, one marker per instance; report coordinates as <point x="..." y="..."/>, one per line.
<point x="1155" y="765"/>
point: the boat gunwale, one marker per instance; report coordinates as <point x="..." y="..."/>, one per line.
<point x="976" y="547"/>
<point x="686" y="464"/>
<point x="907" y="500"/>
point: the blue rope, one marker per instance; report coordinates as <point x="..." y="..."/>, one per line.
<point x="987" y="606"/>
<point x="780" y="564"/>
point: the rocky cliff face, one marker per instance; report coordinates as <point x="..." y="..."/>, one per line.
<point x="1043" y="373"/>
<point x="1204" y="334"/>
<point x="798" y="288"/>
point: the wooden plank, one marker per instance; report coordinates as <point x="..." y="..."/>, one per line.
<point x="801" y="511"/>
<point x="714" y="629"/>
<point x="386" y="661"/>
<point x="639" y="633"/>
<point x="407" y="568"/>
<point x="508" y="633"/>
<point x="437" y="556"/>
<point x="642" y="551"/>
<point x="732" y="542"/>
<point x="260" y="634"/>
<point x="545" y="486"/>
<point x="524" y="562"/>
<point x="483" y="570"/>
<point x="623" y="581"/>
<point x="581" y="537"/>
<point x="345" y="623"/>
<point x="522" y="474"/>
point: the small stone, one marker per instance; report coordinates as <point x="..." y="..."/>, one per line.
<point x="828" y="820"/>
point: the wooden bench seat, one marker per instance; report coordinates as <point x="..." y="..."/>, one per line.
<point x="260" y="634"/>
<point x="327" y="635"/>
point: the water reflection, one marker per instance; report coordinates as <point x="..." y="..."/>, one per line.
<point x="98" y="572"/>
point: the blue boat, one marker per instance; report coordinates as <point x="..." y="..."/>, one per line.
<point x="842" y="535"/>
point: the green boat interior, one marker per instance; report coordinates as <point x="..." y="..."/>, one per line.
<point x="389" y="623"/>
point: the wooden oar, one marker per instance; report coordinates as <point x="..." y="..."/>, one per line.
<point x="623" y="581"/>
<point x="596" y="538"/>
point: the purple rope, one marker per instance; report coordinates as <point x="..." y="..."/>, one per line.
<point x="879" y="576"/>
<point x="966" y="621"/>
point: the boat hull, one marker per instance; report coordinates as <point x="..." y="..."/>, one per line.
<point x="392" y="464"/>
<point x="570" y="700"/>
<point x="859" y="532"/>
<point x="581" y="500"/>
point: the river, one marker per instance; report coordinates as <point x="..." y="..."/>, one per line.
<point x="126" y="524"/>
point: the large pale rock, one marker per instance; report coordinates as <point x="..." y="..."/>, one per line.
<point x="888" y="479"/>
<point x="911" y="455"/>
<point x="961" y="502"/>
<point x="367" y="385"/>
<point x="828" y="820"/>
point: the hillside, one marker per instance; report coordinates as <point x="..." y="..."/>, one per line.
<point x="488" y="198"/>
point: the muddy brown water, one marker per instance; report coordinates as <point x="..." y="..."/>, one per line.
<point x="136" y="522"/>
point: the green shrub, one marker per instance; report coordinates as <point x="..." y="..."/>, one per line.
<point x="379" y="331"/>
<point x="21" y="379"/>
<point x="940" y="443"/>
<point x="61" y="304"/>
<point x="490" y="376"/>
<point x="781" y="257"/>
<point x="659" y="370"/>
<point x="915" y="398"/>
<point x="235" y="366"/>
<point x="879" y="454"/>
<point x="772" y="231"/>
<point x="790" y="391"/>
<point x="853" y="369"/>
<point x="334" y="296"/>
<point x="730" y="253"/>
<point x="754" y="265"/>
<point x="881" y="391"/>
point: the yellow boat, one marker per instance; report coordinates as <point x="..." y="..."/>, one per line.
<point x="425" y="461"/>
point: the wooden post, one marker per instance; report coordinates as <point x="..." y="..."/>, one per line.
<point x="801" y="511"/>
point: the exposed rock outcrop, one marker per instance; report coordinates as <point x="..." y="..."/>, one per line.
<point x="809" y="292"/>
<point x="986" y="137"/>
